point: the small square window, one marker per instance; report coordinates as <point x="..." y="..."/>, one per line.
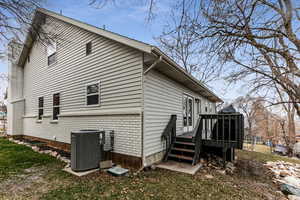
<point x="92" y="94"/>
<point x="88" y="50"/>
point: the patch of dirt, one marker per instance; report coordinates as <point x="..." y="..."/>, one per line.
<point x="253" y="169"/>
<point x="244" y="174"/>
<point x="258" y="178"/>
<point x="23" y="185"/>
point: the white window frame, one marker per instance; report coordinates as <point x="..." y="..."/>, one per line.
<point x="54" y="44"/>
<point x="86" y="94"/>
<point x="56" y="106"/>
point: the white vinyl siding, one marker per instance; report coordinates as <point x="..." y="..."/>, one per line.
<point x="162" y="98"/>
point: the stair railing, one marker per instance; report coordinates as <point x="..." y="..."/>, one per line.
<point x="197" y="139"/>
<point x="169" y="135"/>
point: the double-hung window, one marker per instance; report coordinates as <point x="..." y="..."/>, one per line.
<point x="41" y="108"/>
<point x="56" y="105"/>
<point x="93" y="94"/>
<point x="51" y="53"/>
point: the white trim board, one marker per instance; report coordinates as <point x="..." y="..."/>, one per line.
<point x="125" y="111"/>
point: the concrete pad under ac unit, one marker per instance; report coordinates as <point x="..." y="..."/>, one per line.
<point x="80" y="174"/>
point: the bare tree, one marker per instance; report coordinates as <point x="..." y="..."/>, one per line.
<point x="260" y="37"/>
<point x="15" y="18"/>
<point x="247" y="105"/>
<point x="286" y="137"/>
<point x="180" y="42"/>
<point x="3" y="84"/>
<point x="290" y="115"/>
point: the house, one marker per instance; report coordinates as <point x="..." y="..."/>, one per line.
<point x="91" y="78"/>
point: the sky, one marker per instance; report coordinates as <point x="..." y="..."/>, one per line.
<point x="128" y="20"/>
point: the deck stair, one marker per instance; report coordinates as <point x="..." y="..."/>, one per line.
<point x="183" y="150"/>
<point x="226" y="133"/>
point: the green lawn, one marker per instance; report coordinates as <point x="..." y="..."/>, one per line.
<point x="53" y="183"/>
<point x="15" y="158"/>
<point x="264" y="157"/>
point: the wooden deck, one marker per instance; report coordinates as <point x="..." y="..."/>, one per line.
<point x="209" y="142"/>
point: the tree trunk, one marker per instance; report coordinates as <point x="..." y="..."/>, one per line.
<point x="291" y="126"/>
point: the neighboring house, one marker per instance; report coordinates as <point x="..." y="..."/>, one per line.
<point x="91" y="78"/>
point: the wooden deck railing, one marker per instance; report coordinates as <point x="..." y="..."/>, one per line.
<point x="169" y="134"/>
<point x="197" y="139"/>
<point x="223" y="128"/>
<point x="219" y="130"/>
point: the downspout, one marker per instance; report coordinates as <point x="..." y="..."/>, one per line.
<point x="142" y="116"/>
<point x="158" y="60"/>
<point x="153" y="65"/>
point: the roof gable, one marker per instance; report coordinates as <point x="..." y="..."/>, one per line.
<point x="141" y="46"/>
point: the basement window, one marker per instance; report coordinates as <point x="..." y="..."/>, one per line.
<point x="40" y="108"/>
<point x="93" y="94"/>
<point x="56" y="105"/>
<point x="88" y="49"/>
<point x="51" y="53"/>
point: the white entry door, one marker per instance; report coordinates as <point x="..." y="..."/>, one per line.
<point x="188" y="116"/>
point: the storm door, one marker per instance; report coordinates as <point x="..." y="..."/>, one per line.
<point x="188" y="114"/>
